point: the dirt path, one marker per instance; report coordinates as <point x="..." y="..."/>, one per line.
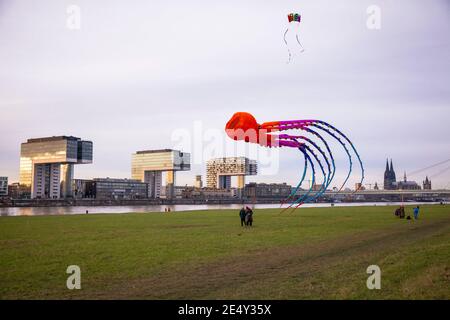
<point x="211" y="279"/>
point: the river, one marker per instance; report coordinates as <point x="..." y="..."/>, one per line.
<point x="42" y="211"/>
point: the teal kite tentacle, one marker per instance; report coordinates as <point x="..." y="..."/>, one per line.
<point x="345" y="148"/>
<point x="351" y="144"/>
<point x="328" y="175"/>
<point x="328" y="149"/>
<point x="300" y="199"/>
<point x="323" y="186"/>
<point x="293" y="192"/>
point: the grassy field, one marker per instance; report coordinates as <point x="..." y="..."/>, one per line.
<point x="319" y="253"/>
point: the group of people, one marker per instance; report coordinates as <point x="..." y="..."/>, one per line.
<point x="400" y="212"/>
<point x="246" y="215"/>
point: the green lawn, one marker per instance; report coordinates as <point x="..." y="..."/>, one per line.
<point x="319" y="253"/>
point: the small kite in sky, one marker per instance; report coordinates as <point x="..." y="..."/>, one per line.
<point x="294" y="23"/>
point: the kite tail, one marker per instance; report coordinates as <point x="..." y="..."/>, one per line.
<point x="293" y="192"/>
<point x="328" y="179"/>
<point x="300" y="200"/>
<point x="323" y="186"/>
<point x="287" y="46"/>
<point x="298" y="41"/>
<point x="345" y="148"/>
<point x="328" y="149"/>
<point x="327" y="176"/>
<point x="351" y="144"/>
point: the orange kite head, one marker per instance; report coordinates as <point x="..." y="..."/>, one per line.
<point x="242" y="126"/>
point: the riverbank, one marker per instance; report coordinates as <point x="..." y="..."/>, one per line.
<point x="318" y="253"/>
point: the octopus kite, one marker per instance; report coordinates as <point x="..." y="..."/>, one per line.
<point x="294" y="20"/>
<point x="243" y="126"/>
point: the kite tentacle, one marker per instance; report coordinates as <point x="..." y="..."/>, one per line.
<point x="327" y="179"/>
<point x="294" y="191"/>
<point x="328" y="149"/>
<point x="323" y="186"/>
<point x="300" y="199"/>
<point x="323" y="154"/>
<point x="346" y="150"/>
<point x="305" y="149"/>
<point x="351" y="144"/>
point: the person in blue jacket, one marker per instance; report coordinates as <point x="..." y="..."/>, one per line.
<point x="416" y="213"/>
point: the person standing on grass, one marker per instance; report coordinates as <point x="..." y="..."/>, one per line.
<point x="249" y="217"/>
<point x="416" y="213"/>
<point x="242" y="214"/>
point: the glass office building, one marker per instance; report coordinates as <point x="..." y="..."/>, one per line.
<point x="110" y="189"/>
<point x="46" y="164"/>
<point x="147" y="166"/>
<point x="3" y="186"/>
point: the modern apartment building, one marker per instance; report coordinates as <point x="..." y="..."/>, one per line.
<point x="148" y="166"/>
<point x="47" y="164"/>
<point x="219" y="172"/>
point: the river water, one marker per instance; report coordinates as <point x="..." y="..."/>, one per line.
<point x="41" y="211"/>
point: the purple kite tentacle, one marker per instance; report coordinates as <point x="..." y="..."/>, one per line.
<point x="345" y="148"/>
<point x="351" y="144"/>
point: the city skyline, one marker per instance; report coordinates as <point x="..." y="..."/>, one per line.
<point x="158" y="70"/>
<point x="45" y="151"/>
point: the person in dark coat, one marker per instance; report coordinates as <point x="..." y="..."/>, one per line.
<point x="249" y="217"/>
<point x="242" y="215"/>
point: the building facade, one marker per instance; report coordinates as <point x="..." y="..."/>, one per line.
<point x="208" y="193"/>
<point x="426" y="184"/>
<point x="264" y="190"/>
<point x="110" y="189"/>
<point x="220" y="170"/>
<point x="3" y="186"/>
<point x="18" y="191"/>
<point x="198" y="183"/>
<point x="407" y="185"/>
<point x="148" y="166"/>
<point x="47" y="165"/>
<point x="390" y="182"/>
<point x="389" y="177"/>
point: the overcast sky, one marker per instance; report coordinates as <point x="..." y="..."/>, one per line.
<point x="136" y="72"/>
